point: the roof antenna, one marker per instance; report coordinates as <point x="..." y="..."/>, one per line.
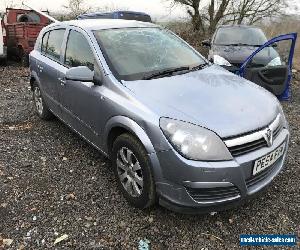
<point x="41" y="13"/>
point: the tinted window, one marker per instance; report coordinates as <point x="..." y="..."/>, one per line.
<point x="54" y="43"/>
<point x="240" y="35"/>
<point x="44" y="42"/>
<point x="134" y="53"/>
<point x="138" y="17"/>
<point x="78" y="52"/>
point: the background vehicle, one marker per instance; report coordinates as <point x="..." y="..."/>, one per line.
<point x="235" y="44"/>
<point x="128" y="15"/>
<point x="235" y="48"/>
<point x="3" y="48"/>
<point x="22" y="28"/>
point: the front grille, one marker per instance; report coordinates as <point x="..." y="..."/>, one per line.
<point x="253" y="180"/>
<point x="252" y="141"/>
<point x="248" y="147"/>
<point x="213" y="194"/>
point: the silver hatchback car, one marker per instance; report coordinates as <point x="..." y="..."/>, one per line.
<point x="178" y="129"/>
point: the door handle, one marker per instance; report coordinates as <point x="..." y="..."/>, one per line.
<point x="62" y="81"/>
<point x="267" y="80"/>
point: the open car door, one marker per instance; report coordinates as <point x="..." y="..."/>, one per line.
<point x="275" y="73"/>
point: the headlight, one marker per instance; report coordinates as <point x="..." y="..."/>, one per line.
<point x="221" y="61"/>
<point x="283" y="120"/>
<point x="194" y="142"/>
<point x="274" y="62"/>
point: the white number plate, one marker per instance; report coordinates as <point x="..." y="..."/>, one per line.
<point x="268" y="160"/>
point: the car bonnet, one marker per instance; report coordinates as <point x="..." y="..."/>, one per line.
<point x="212" y="98"/>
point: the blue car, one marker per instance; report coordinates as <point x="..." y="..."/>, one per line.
<point x="245" y="50"/>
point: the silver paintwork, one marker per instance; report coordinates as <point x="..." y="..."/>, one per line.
<point x="212" y="98"/>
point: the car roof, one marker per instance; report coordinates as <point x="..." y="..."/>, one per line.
<point x="114" y="12"/>
<point x="98" y="24"/>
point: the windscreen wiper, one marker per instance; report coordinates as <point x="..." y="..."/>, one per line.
<point x="171" y="71"/>
<point x="200" y="66"/>
<point x="243" y="44"/>
<point x="166" y="72"/>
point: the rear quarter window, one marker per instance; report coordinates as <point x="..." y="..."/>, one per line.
<point x="44" y="42"/>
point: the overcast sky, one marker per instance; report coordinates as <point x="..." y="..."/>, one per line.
<point x="157" y="8"/>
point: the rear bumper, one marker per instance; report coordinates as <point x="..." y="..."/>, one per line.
<point x="200" y="187"/>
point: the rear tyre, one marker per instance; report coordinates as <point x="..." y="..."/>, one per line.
<point x="40" y="106"/>
<point x="132" y="170"/>
<point x="23" y="57"/>
<point x="25" y="60"/>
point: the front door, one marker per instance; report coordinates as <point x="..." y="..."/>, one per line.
<point x="276" y="73"/>
<point x="81" y="101"/>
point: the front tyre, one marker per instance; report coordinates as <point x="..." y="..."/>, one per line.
<point x="132" y="169"/>
<point x="40" y="105"/>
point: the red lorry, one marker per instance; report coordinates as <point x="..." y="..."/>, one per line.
<point x="22" y="28"/>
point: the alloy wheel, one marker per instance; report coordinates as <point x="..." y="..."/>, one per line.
<point x="130" y="172"/>
<point x="38" y="100"/>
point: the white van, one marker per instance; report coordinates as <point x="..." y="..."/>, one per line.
<point x="3" y="49"/>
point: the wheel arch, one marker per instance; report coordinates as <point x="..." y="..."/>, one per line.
<point x="121" y="124"/>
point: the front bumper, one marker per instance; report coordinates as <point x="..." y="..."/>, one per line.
<point x="199" y="187"/>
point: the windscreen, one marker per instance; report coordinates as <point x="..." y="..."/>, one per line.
<point x="240" y="35"/>
<point x="133" y="53"/>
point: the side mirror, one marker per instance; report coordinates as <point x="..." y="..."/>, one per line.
<point x="80" y="73"/>
<point x="206" y="43"/>
<point x="274" y="45"/>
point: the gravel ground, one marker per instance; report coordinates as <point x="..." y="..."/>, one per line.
<point x="53" y="184"/>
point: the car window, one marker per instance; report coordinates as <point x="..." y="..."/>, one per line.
<point x="54" y="43"/>
<point x="133" y="16"/>
<point x="78" y="51"/>
<point x="240" y="36"/>
<point x="44" y="42"/>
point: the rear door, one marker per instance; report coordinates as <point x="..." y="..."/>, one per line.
<point x="276" y="73"/>
<point x="49" y="66"/>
